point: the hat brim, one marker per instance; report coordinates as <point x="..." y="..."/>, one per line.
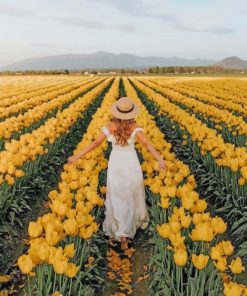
<point x="121" y="115"/>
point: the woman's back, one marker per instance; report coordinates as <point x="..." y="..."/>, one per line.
<point x="110" y="131"/>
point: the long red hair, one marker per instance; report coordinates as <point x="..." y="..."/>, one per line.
<point x="123" y="131"/>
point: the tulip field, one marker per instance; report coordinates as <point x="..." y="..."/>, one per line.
<point x="51" y="213"/>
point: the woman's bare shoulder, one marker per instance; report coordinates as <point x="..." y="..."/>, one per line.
<point x="135" y="125"/>
<point x="111" y="126"/>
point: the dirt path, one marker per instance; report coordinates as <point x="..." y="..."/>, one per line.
<point x="131" y="270"/>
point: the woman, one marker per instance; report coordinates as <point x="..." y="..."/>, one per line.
<point x="125" y="197"/>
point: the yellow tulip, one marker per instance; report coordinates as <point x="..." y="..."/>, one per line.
<point x="232" y="289"/>
<point x="70" y="226"/>
<point x="236" y="265"/>
<point x="185" y="221"/>
<point x="69" y="250"/>
<point x="202" y="232"/>
<point x="60" y="266"/>
<point x="56" y="293"/>
<point x="71" y="270"/>
<point x="219" y="226"/>
<point x="35" y="229"/>
<point x="44" y="251"/>
<point x="187" y="202"/>
<point x="180" y="257"/>
<point x="25" y="263"/>
<point x="59" y="208"/>
<point x="177" y="239"/>
<point x="165" y="203"/>
<point x="227" y="247"/>
<point x="164" y="230"/>
<point x="216" y="253"/>
<point x="221" y="264"/>
<point x="200" y="206"/>
<point x="175" y="226"/>
<point x="200" y="261"/>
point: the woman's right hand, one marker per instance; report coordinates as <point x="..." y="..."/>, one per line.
<point x="72" y="159"/>
<point x="161" y="163"/>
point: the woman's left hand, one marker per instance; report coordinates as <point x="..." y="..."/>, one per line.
<point x="73" y="159"/>
<point x="161" y="163"/>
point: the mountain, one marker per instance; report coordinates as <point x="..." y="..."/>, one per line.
<point x="233" y="63"/>
<point x="101" y="60"/>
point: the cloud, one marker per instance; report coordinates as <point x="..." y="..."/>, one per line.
<point x="79" y="22"/>
<point x="141" y="8"/>
<point x="219" y="31"/>
<point x="17" y="12"/>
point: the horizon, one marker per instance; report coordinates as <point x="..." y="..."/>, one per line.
<point x="213" y="30"/>
<point x="102" y="51"/>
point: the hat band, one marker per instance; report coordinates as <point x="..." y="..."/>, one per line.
<point x="131" y="109"/>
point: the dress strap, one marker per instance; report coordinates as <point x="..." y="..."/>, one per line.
<point x="135" y="130"/>
<point x="132" y="136"/>
<point x="109" y="136"/>
<point x="105" y="130"/>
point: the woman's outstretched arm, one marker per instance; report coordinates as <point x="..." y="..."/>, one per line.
<point x="143" y="140"/>
<point x="88" y="148"/>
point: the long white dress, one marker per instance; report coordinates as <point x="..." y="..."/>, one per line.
<point x="125" y="197"/>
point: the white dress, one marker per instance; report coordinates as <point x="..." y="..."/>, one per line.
<point x="125" y="197"/>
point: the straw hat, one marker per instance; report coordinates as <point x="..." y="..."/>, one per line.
<point x="124" y="108"/>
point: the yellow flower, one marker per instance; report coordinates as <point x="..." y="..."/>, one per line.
<point x="221" y="264"/>
<point x="69" y="250"/>
<point x="185" y="221"/>
<point x="60" y="266"/>
<point x="219" y="226"/>
<point x="164" y="230"/>
<point x="180" y="257"/>
<point x="71" y="270"/>
<point x="56" y="293"/>
<point x="44" y="251"/>
<point x="176" y="239"/>
<point x="232" y="289"/>
<point x="25" y="263"/>
<point x="187" y="202"/>
<point x="165" y="203"/>
<point x="216" y="253"/>
<point x="35" y="229"/>
<point x="236" y="265"/>
<point x="175" y="226"/>
<point x="202" y="232"/>
<point x="200" y="261"/>
<point x="227" y="247"/>
<point x="200" y="206"/>
<point x="70" y="226"/>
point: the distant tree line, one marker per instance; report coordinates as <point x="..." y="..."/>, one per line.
<point x="67" y="72"/>
<point x="190" y="69"/>
<point x="152" y="70"/>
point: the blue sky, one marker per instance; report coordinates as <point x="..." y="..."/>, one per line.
<point x="211" y="29"/>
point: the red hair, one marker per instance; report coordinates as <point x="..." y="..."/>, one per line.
<point x="123" y="130"/>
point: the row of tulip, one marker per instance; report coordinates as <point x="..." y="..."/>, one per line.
<point x="185" y="226"/>
<point x="14" y="124"/>
<point x="234" y="123"/>
<point x="13" y="87"/>
<point x="19" y="105"/>
<point x="227" y="89"/>
<point x="217" y="184"/>
<point x="207" y="139"/>
<point x="20" y="202"/>
<point x="30" y="145"/>
<point x="62" y="235"/>
<point x="212" y="98"/>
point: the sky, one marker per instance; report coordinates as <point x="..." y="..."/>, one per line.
<point x="210" y="29"/>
